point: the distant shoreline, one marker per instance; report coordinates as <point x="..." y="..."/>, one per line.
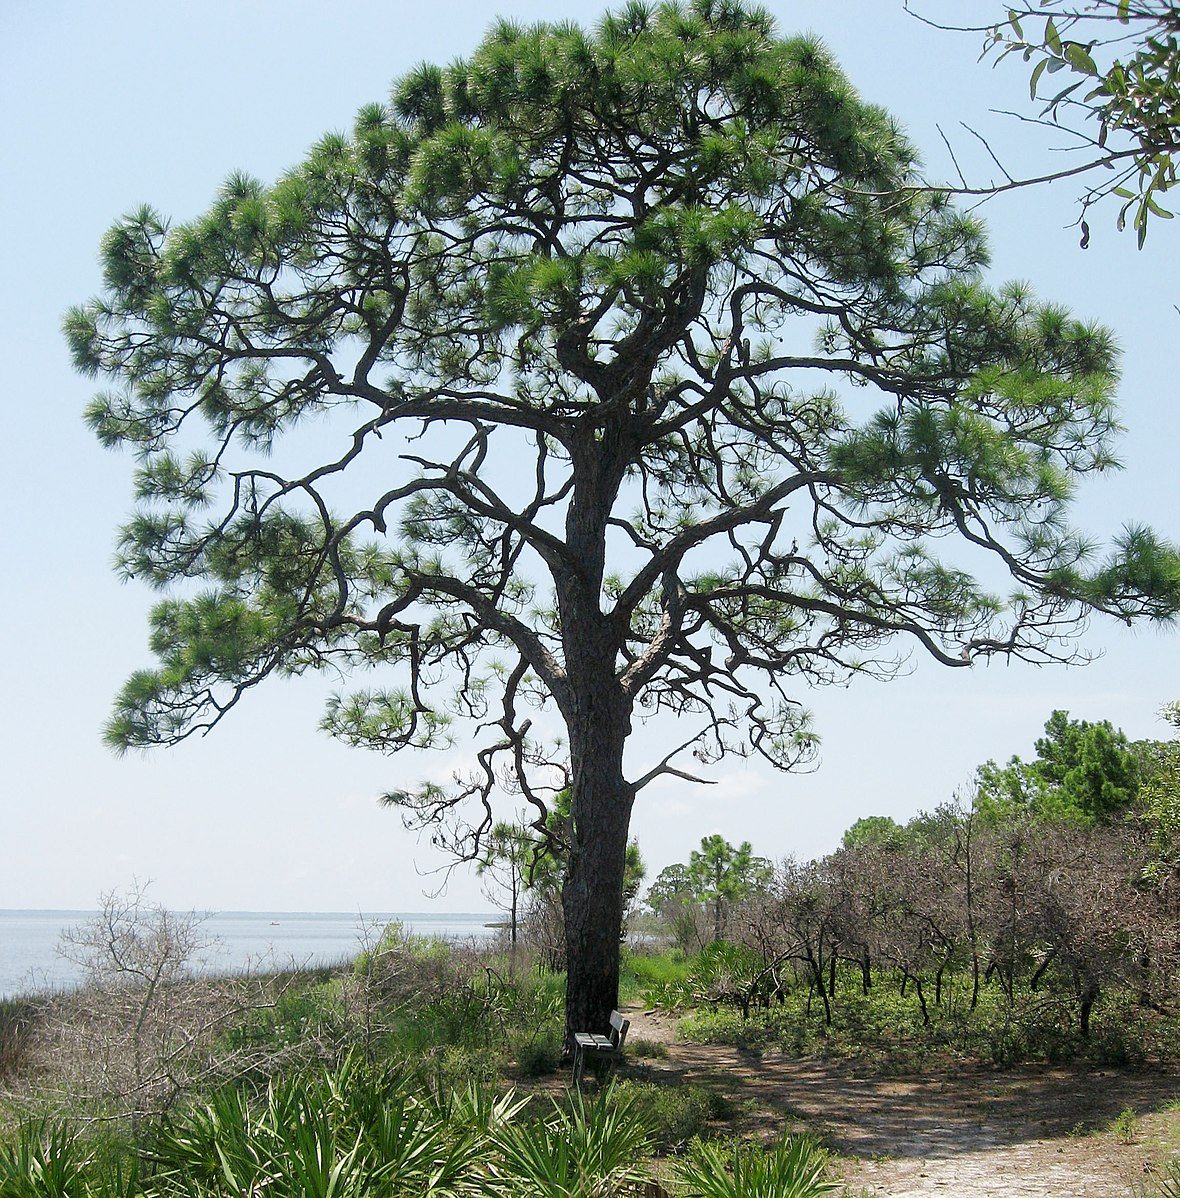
<point x="29" y="962"/>
<point x="225" y="912"/>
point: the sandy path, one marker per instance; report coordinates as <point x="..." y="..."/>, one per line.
<point x="1028" y="1132"/>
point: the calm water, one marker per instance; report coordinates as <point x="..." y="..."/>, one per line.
<point x="28" y="940"/>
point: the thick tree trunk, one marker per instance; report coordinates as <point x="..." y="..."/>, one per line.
<point x="592" y="896"/>
<point x="598" y="720"/>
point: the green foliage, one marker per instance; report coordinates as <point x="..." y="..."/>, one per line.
<point x="674" y="1114"/>
<point x="1082" y="771"/>
<point x="51" y="1160"/>
<point x="884" y="1029"/>
<point x="672" y="884"/>
<point x="442" y="1015"/>
<point x="716" y="875"/>
<point x="1125" y="1126"/>
<point x="728" y="1026"/>
<point x="300" y="1017"/>
<point x="357" y="1130"/>
<point x="643" y="971"/>
<point x="720" y="873"/>
<point x="724" y="972"/>
<point x="882" y="831"/>
<point x="539" y="1052"/>
<point x="17" y="1019"/>
<point x="721" y="973"/>
<point x="643" y="1049"/>
<point x="1159" y="803"/>
<point x="1121" y="93"/>
<point x="388" y="239"/>
<point x="595" y="1147"/>
<point x="796" y="1168"/>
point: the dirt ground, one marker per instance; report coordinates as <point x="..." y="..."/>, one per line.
<point x="1027" y="1132"/>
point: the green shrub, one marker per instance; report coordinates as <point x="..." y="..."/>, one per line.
<point x="539" y="1053"/>
<point x="1125" y="1126"/>
<point x="454" y="1068"/>
<point x="397" y="947"/>
<point x="54" y="1160"/>
<point x="356" y="1130"/>
<point x="298" y="1017"/>
<point x="641" y="971"/>
<point x="673" y="1113"/>
<point x="642" y="1047"/>
<point x="885" y="1030"/>
<point x="726" y="1026"/>
<point x="668" y="996"/>
<point x="725" y="972"/>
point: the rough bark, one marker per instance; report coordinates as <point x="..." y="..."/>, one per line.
<point x="598" y="719"/>
<point x="592" y="896"/>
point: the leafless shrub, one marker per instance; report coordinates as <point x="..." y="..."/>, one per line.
<point x="143" y="1028"/>
<point x="543" y="927"/>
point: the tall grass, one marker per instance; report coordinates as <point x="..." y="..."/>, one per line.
<point x="18" y="1018"/>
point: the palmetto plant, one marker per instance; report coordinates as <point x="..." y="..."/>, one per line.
<point x="1168" y="1183"/>
<point x="593" y="1149"/>
<point x="52" y="1160"/>
<point x="796" y="1168"/>
<point x="358" y="1131"/>
<point x="44" y="1160"/>
<point x="364" y="1132"/>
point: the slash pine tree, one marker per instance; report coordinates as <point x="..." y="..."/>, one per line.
<point x="645" y="384"/>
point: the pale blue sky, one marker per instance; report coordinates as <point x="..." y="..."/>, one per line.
<point x="103" y="106"/>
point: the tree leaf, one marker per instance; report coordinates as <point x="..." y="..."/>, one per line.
<point x="1052" y="37"/>
<point x="1079" y="58"/>
<point x="1038" y="71"/>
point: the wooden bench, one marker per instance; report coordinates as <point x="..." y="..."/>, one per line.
<point x="599" y="1046"/>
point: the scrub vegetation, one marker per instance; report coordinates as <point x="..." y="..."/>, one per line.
<point x="1032" y="929"/>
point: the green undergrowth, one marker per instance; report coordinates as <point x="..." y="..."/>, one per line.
<point x="18" y="1017"/>
<point x="644" y="974"/>
<point x="360" y="1130"/>
<point x="674" y="1113"/>
<point x="443" y="1013"/>
<point x="885" y="1029"/>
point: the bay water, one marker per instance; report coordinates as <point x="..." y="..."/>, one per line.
<point x="29" y="960"/>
